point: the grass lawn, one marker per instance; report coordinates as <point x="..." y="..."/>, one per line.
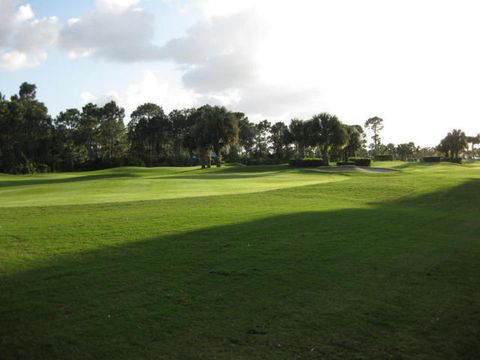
<point x="241" y="263"/>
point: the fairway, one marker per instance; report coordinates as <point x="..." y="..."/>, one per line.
<point x="241" y="263"/>
<point x="133" y="184"/>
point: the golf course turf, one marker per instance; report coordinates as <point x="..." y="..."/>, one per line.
<point x="241" y="263"/>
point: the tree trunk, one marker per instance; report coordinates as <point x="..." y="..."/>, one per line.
<point x="325" y="155"/>
<point x="301" y="150"/>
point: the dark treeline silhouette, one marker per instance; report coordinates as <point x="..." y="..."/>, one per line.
<point x="95" y="137"/>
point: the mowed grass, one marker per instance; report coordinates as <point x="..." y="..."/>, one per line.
<point x="241" y="263"/>
<point x="133" y="184"/>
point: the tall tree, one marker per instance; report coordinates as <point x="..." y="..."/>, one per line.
<point x="262" y="139"/>
<point x="280" y="138"/>
<point x="26" y="132"/>
<point x="214" y="130"/>
<point x="327" y="132"/>
<point x="182" y="122"/>
<point x="150" y="133"/>
<point x="454" y="144"/>
<point x="299" y="130"/>
<point x="111" y="132"/>
<point x="248" y="133"/>
<point x="69" y="152"/>
<point x="376" y="125"/>
<point x="406" y="151"/>
<point x="356" y="141"/>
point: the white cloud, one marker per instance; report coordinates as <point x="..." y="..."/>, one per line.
<point x="115" y="30"/>
<point x="24" y="38"/>
<point x="115" y="5"/>
<point x="414" y="63"/>
<point x="87" y="97"/>
<point x="163" y="87"/>
<point x="24" y="13"/>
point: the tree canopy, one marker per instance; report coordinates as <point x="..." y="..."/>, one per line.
<point x="95" y="137"/>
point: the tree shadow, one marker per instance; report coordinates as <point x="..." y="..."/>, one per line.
<point x="397" y="280"/>
<point x="43" y="181"/>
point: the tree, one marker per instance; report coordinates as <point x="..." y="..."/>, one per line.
<point x="68" y="151"/>
<point x="215" y="129"/>
<point x="299" y="132"/>
<point x="27" y="91"/>
<point x="111" y="132"/>
<point x="406" y="151"/>
<point x="280" y="138"/>
<point x="356" y="141"/>
<point x="261" y="140"/>
<point x="376" y="125"/>
<point x="473" y="140"/>
<point x="327" y="132"/>
<point x="150" y="133"/>
<point x="26" y="132"/>
<point x="247" y="135"/>
<point x="454" y="144"/>
<point x="182" y="122"/>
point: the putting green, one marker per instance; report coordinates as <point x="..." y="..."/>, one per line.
<point x="136" y="184"/>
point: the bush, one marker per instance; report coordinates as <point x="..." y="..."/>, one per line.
<point x="307" y="162"/>
<point x="264" y="161"/>
<point x="43" y="168"/>
<point x="360" y="161"/>
<point x="384" y="157"/>
<point x="432" y="159"/>
<point x="26" y="168"/>
<point x="453" y="160"/>
<point x="344" y="163"/>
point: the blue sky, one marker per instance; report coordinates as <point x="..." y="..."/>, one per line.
<point x="60" y="81"/>
<point x="413" y="63"/>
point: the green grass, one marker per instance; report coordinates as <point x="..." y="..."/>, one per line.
<point x="241" y="263"/>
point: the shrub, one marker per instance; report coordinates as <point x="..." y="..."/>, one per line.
<point x="307" y="162"/>
<point x="264" y="161"/>
<point x="432" y="159"/>
<point x="344" y="163"/>
<point x="453" y="160"/>
<point x="384" y="157"/>
<point x="42" y="168"/>
<point x="360" y="161"/>
<point x="26" y="168"/>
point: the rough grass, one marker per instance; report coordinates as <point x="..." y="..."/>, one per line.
<point x="241" y="263"/>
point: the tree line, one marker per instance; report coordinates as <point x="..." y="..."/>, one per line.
<point x="96" y="137"/>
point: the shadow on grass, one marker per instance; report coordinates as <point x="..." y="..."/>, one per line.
<point x="393" y="281"/>
<point x="13" y="181"/>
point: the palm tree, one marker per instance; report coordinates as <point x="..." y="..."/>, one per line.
<point x="327" y="132"/>
<point x="298" y="129"/>
<point x="454" y="143"/>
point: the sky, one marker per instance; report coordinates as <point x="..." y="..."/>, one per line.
<point x="414" y="63"/>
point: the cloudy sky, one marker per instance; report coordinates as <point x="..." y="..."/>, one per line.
<point x="415" y="63"/>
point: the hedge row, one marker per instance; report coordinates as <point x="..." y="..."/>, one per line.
<point x="437" y="159"/>
<point x="384" y="157"/>
<point x="307" y="162"/>
<point x="361" y="161"/>
<point x="432" y="159"/>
